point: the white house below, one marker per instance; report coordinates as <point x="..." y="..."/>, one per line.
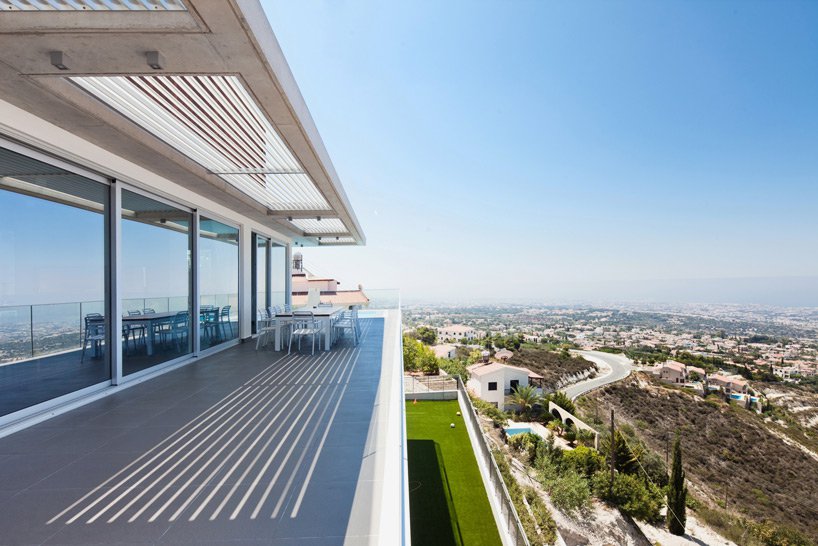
<point x="444" y="351"/>
<point x="492" y="382"/>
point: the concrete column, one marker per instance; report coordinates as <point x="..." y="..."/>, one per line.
<point x="288" y="275"/>
<point x="113" y="290"/>
<point x="245" y="282"/>
<point x="196" y="307"/>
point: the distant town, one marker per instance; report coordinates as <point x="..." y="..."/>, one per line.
<point x="765" y="341"/>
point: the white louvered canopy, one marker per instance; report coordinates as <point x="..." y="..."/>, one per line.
<point x="318" y="227"/>
<point x="92" y="5"/>
<point x="213" y="120"/>
<point x="336" y="241"/>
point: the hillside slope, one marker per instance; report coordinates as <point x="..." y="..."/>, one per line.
<point x="730" y="453"/>
<point x="557" y="369"/>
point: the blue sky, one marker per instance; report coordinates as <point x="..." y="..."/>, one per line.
<point x="547" y="149"/>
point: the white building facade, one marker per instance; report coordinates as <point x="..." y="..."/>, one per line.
<point x="457" y="332"/>
<point x="152" y="185"/>
<point x="493" y="382"/>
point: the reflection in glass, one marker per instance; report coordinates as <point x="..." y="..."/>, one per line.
<point x="278" y="275"/>
<point x="155" y="283"/>
<point x="260" y="280"/>
<point x="218" y="282"/>
<point x="52" y="277"/>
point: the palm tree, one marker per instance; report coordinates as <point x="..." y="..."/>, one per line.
<point x="525" y="398"/>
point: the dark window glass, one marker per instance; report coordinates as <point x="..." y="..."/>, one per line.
<point x="156" y="282"/>
<point x="260" y="281"/>
<point x="492" y="385"/>
<point x="52" y="282"/>
<point x="218" y="282"/>
<point x="278" y="270"/>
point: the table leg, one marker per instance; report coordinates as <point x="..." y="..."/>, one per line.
<point x="150" y="338"/>
<point x="327" y="323"/>
<point x="277" y="345"/>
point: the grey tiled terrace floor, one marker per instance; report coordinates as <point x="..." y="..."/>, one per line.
<point x="240" y="447"/>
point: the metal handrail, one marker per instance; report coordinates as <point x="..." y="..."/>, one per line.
<point x="75" y="327"/>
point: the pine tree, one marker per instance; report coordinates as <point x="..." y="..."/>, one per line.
<point x="676" y="492"/>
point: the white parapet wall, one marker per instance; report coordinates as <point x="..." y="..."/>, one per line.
<point x="508" y="522"/>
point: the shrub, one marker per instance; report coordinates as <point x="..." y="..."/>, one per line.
<point x="585" y="437"/>
<point x="569" y="492"/>
<point x="498" y="417"/>
<point x="562" y="400"/>
<point x="555" y="427"/>
<point x="655" y="468"/>
<point x="426" y="335"/>
<point x="526" y="443"/>
<point x="584" y="460"/>
<point x="568" y="488"/>
<point x="455" y="368"/>
<point x="417" y="357"/>
<point x="549" y="457"/>
<point x="772" y="534"/>
<point x="626" y="460"/>
<point x="570" y="434"/>
<point x="542" y="516"/>
<point x="547" y="529"/>
<point x="634" y="496"/>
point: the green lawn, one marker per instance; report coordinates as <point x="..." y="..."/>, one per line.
<point x="447" y="500"/>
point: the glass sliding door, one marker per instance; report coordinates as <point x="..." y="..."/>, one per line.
<point x="261" y="289"/>
<point x="155" y="282"/>
<point x="53" y="329"/>
<point x="278" y="274"/>
<point x="218" y="282"/>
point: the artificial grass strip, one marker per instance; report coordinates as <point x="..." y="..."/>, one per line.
<point x="447" y="501"/>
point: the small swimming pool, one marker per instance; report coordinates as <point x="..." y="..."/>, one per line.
<point x="511" y="431"/>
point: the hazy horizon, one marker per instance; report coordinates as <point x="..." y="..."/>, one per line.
<point x="785" y="292"/>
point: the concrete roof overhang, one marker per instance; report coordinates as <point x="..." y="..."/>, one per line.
<point x="221" y="38"/>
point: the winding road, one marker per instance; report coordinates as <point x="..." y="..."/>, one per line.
<point x="618" y="367"/>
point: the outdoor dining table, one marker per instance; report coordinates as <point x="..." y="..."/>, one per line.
<point x="149" y="320"/>
<point x="324" y="316"/>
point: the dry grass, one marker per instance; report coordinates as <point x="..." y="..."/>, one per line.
<point x="554" y="367"/>
<point x="729" y="452"/>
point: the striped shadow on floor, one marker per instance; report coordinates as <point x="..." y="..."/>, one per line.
<point x="252" y="455"/>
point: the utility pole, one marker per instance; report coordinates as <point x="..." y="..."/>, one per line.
<point x="613" y="454"/>
<point x="667" y="448"/>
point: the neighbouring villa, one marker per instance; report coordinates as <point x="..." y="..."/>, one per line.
<point x="492" y="382"/>
<point x="456" y="332"/>
<point x="446" y="351"/>
<point x="325" y="290"/>
<point x="728" y="383"/>
<point x="676" y="373"/>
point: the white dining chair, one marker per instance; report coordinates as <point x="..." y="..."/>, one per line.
<point x="304" y="324"/>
